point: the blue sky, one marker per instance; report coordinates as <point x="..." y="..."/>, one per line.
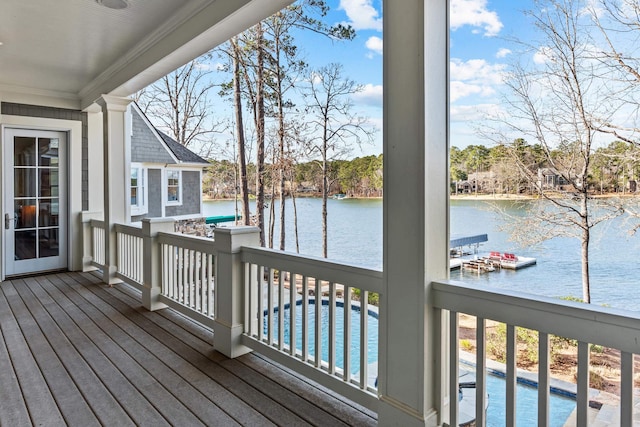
<point x="480" y="51"/>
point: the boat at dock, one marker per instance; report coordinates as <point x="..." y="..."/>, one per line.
<point x="482" y="265"/>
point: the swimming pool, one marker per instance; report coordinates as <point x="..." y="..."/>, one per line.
<point x="560" y="407"/>
<point x="372" y="336"/>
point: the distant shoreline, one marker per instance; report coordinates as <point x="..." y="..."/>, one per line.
<point x="472" y="196"/>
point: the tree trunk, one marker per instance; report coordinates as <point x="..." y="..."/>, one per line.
<point x="260" y="134"/>
<point x="272" y="218"/>
<point x="281" y="151"/>
<point x="584" y="214"/>
<point x="242" y="160"/>
<point x="295" y="216"/>
<point x="325" y="193"/>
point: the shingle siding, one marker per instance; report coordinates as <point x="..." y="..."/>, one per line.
<point x="155" y="192"/>
<point x="145" y="146"/>
<point x="190" y="196"/>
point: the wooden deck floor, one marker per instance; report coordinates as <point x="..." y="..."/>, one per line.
<point x="75" y="352"/>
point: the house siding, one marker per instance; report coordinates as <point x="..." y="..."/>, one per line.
<point x="190" y="196"/>
<point x="14" y="109"/>
<point x="155" y="189"/>
<point x="145" y="146"/>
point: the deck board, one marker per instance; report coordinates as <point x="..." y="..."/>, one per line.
<point x="74" y="351"/>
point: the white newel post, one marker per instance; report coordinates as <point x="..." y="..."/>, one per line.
<point x="229" y="288"/>
<point x="151" y="271"/>
<point x="117" y="173"/>
<point x="415" y="206"/>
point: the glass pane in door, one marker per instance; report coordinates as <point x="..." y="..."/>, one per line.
<point x="24" y="182"/>
<point x="24" y="151"/>
<point x="48" y="242"/>
<point x="48" y="182"/>
<point x="48" y="151"/>
<point x="25" y="241"/>
<point x="48" y="213"/>
<point x="25" y="213"/>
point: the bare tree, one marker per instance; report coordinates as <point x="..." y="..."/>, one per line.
<point x="618" y="22"/>
<point x="179" y="104"/>
<point x="333" y="128"/>
<point x="236" y="57"/>
<point x="284" y="66"/>
<point x="555" y="102"/>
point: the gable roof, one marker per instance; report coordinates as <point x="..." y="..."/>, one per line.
<point x="178" y="152"/>
<point x="182" y="153"/>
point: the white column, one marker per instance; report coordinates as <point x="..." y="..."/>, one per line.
<point x="117" y="173"/>
<point x="415" y="144"/>
<point x="229" y="299"/>
<point x="95" y="163"/>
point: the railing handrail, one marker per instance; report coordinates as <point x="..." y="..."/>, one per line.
<point x="320" y="268"/>
<point x="605" y="326"/>
<point x="97" y="223"/>
<point x="201" y="244"/>
<point x="129" y="229"/>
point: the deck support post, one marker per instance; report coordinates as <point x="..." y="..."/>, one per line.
<point x="151" y="272"/>
<point x="412" y="379"/>
<point x="117" y="175"/>
<point x="230" y="290"/>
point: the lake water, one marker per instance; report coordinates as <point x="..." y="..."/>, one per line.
<point x="355" y="237"/>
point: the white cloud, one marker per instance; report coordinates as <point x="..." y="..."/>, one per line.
<point x="466" y="113"/>
<point x="477" y="70"/>
<point x="362" y="15"/>
<point x="474" y="77"/>
<point x="543" y="54"/>
<point x="370" y="95"/>
<point x="374" y="44"/>
<point x="475" y="14"/>
<point x="502" y="53"/>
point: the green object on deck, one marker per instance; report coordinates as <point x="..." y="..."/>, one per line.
<point x="220" y="218"/>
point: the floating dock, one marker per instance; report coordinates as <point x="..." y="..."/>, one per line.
<point x="468" y="262"/>
<point x="520" y="262"/>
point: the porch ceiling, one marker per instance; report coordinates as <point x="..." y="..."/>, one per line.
<point x="80" y="49"/>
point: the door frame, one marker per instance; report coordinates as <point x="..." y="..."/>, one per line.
<point x="74" y="131"/>
<point x="60" y="261"/>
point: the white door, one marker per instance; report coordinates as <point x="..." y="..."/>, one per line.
<point x="35" y="205"/>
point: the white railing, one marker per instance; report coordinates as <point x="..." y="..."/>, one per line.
<point x="282" y="293"/>
<point x="97" y="243"/>
<point x="585" y="323"/>
<point x="256" y="286"/>
<point x="130" y="259"/>
<point x="187" y="269"/>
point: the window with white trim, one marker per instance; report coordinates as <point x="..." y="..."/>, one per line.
<point x="139" y="190"/>
<point x="174" y="190"/>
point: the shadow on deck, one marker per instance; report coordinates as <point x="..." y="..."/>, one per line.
<point x="74" y="351"/>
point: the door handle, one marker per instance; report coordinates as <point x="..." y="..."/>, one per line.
<point x="7" y="221"/>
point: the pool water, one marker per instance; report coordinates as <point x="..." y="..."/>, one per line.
<point x="526" y="400"/>
<point x="372" y="336"/>
<point x="560" y="407"/>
